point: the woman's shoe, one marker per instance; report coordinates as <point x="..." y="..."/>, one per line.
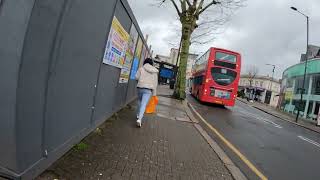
<point x="139" y="122"/>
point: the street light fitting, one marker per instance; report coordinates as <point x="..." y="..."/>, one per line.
<point x="293" y="8"/>
<point x="270" y="64"/>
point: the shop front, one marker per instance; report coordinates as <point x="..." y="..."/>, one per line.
<point x="292" y="86"/>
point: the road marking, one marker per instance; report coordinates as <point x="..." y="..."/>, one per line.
<point x="262" y="119"/>
<point x="231" y="146"/>
<point x="270" y="122"/>
<point x="309" y="141"/>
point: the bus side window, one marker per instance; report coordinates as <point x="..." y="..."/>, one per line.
<point x="200" y="80"/>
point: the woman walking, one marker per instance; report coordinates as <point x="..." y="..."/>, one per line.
<point x="147" y="77"/>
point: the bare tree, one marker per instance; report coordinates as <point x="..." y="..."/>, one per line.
<point x="195" y="15"/>
<point x="252" y="73"/>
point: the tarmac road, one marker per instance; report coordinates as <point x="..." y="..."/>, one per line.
<point x="279" y="149"/>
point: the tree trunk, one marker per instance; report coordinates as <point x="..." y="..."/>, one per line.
<point x="180" y="87"/>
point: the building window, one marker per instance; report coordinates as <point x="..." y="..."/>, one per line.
<point x="299" y="82"/>
<point x="316" y="85"/>
<point x="289" y="83"/>
<point x="261" y="83"/>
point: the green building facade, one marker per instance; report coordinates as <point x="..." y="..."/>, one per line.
<point x="291" y="88"/>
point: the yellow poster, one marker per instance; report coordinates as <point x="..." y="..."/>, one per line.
<point x="117" y="45"/>
<point x="125" y="71"/>
<point x="139" y="48"/>
<point x="288" y="95"/>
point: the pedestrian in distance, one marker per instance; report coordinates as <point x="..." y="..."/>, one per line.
<point x="147" y="77"/>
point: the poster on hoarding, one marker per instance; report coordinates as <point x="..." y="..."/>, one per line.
<point x="125" y="71"/>
<point x="134" y="69"/>
<point x="117" y="44"/>
<point x="139" y="48"/>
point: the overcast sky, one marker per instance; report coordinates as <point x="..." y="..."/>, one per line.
<point x="262" y="31"/>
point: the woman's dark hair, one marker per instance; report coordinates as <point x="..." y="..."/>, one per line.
<point x="149" y="61"/>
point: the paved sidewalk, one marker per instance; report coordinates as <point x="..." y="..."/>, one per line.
<point x="167" y="146"/>
<point x="282" y="115"/>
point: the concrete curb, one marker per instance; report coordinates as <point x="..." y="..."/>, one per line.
<point x="244" y="101"/>
<point x="301" y="125"/>
<point x="234" y="170"/>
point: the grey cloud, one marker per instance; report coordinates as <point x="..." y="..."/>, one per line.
<point x="263" y="32"/>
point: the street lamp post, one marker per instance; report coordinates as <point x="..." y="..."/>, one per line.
<point x="305" y="64"/>
<point x="273" y="69"/>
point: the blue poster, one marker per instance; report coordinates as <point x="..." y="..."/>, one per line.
<point x="134" y="68"/>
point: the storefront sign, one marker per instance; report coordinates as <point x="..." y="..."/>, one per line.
<point x="288" y="95"/>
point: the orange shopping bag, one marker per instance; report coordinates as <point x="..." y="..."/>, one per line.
<point x="151" y="107"/>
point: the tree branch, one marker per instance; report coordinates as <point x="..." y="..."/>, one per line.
<point x="176" y="7"/>
<point x="189" y="3"/>
<point x="210" y="4"/>
<point x="183" y="5"/>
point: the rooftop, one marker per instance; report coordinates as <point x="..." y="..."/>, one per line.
<point x="261" y="77"/>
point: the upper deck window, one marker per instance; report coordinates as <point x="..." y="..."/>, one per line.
<point x="226" y="57"/>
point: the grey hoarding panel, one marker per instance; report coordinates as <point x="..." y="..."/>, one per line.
<point x="106" y="91"/>
<point x="61" y="63"/>
<point x="111" y="94"/>
<point x="39" y="42"/>
<point x="131" y="91"/>
<point x="75" y="70"/>
<point x="14" y="17"/>
<point x="106" y="81"/>
<point x="124" y="19"/>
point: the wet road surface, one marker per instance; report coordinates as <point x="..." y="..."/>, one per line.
<point x="279" y="149"/>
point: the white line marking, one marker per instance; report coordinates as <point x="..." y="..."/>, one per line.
<point x="262" y="119"/>
<point x="270" y="122"/>
<point x="309" y="141"/>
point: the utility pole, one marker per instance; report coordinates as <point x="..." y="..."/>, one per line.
<point x="273" y="69"/>
<point x="305" y="64"/>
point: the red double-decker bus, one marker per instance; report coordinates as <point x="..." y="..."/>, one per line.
<point x="216" y="76"/>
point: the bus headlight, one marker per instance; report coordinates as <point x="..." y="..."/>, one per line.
<point x="212" y="91"/>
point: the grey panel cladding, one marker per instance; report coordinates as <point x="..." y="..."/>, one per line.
<point x="124" y="19"/>
<point x="14" y="17"/>
<point x="75" y="70"/>
<point x="131" y="91"/>
<point x="106" y="91"/>
<point x="134" y="21"/>
<point x="123" y="16"/>
<point x="39" y="42"/>
<point x="54" y="87"/>
<point x="111" y="95"/>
